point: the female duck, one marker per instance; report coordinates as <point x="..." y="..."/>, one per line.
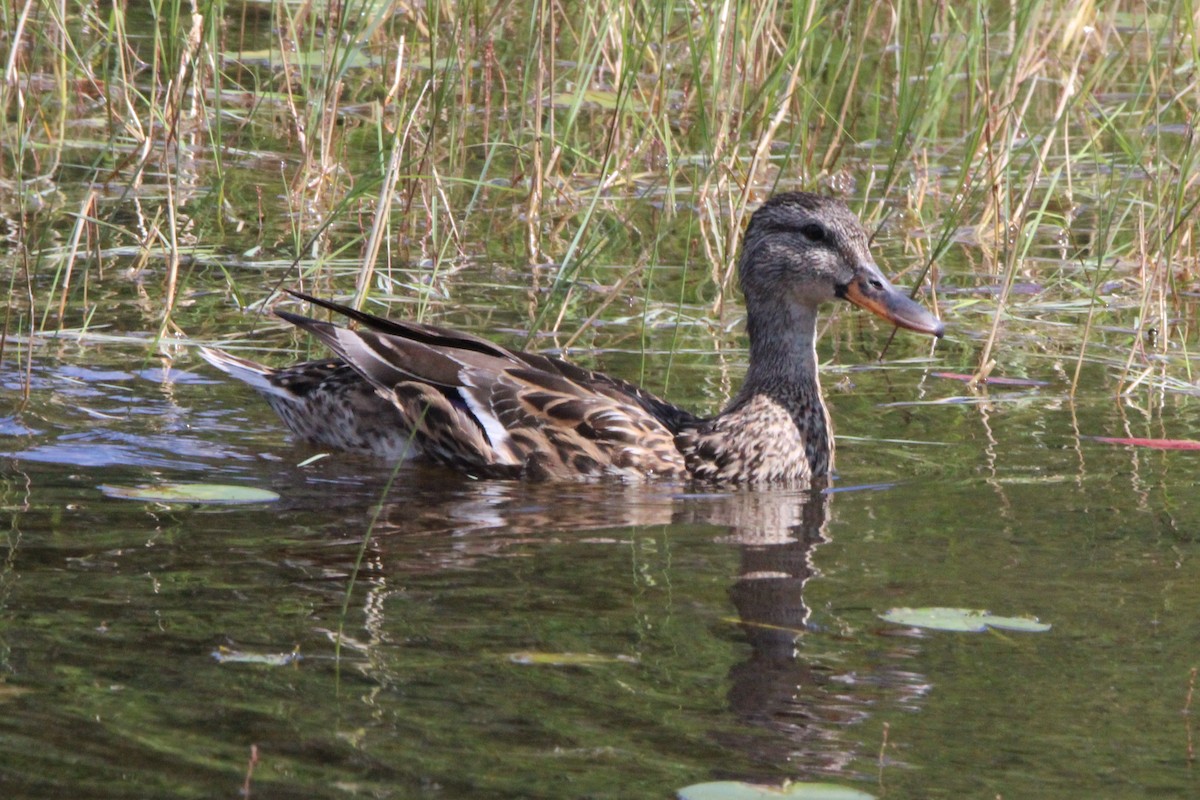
<point x="403" y="389"/>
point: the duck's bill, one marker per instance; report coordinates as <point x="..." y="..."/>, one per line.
<point x="875" y="294"/>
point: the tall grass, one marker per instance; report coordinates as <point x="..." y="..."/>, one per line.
<point x="381" y="147"/>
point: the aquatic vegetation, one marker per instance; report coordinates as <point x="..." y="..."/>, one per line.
<point x="391" y="152"/>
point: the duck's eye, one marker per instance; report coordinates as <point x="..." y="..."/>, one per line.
<point x="813" y="232"/>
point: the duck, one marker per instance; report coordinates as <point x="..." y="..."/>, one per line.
<point x="403" y="390"/>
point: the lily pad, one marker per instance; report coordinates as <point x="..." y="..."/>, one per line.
<point x="567" y="659"/>
<point x="739" y="790"/>
<point x="966" y="620"/>
<point x="205" y="493"/>
<point x="225" y="655"/>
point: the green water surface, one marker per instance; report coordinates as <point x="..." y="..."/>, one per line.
<point x="508" y="640"/>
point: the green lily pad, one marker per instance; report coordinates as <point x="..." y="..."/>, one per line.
<point x="966" y="620"/>
<point x="567" y="659"/>
<point x="738" y="790"/>
<point x="225" y="655"/>
<point x="207" y="493"/>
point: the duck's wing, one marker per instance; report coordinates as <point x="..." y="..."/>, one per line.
<point x="494" y="412"/>
<point x="670" y="415"/>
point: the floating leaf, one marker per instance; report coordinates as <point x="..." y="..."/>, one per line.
<point x="966" y="620"/>
<point x="208" y="493"/>
<point x="567" y="659"/>
<point x="1022" y="624"/>
<point x="225" y="655"/>
<point x="739" y="790"/>
<point x="1153" y="444"/>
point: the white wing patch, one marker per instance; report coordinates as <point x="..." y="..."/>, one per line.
<point x="495" y="431"/>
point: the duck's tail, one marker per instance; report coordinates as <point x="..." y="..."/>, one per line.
<point x="249" y="372"/>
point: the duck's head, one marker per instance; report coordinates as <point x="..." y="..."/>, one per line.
<point x="806" y="249"/>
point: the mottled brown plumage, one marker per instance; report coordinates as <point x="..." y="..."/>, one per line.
<point x="402" y="389"/>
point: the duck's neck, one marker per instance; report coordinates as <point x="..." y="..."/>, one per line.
<point x="783" y="353"/>
<point x="783" y="367"/>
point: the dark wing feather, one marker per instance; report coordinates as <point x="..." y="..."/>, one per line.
<point x="416" y="331"/>
<point x="384" y="360"/>
<point x="670" y="415"/>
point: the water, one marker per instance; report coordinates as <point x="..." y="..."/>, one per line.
<point x="509" y="640"/>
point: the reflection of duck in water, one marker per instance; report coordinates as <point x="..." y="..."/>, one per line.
<point x="798" y="687"/>
<point x="403" y="388"/>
